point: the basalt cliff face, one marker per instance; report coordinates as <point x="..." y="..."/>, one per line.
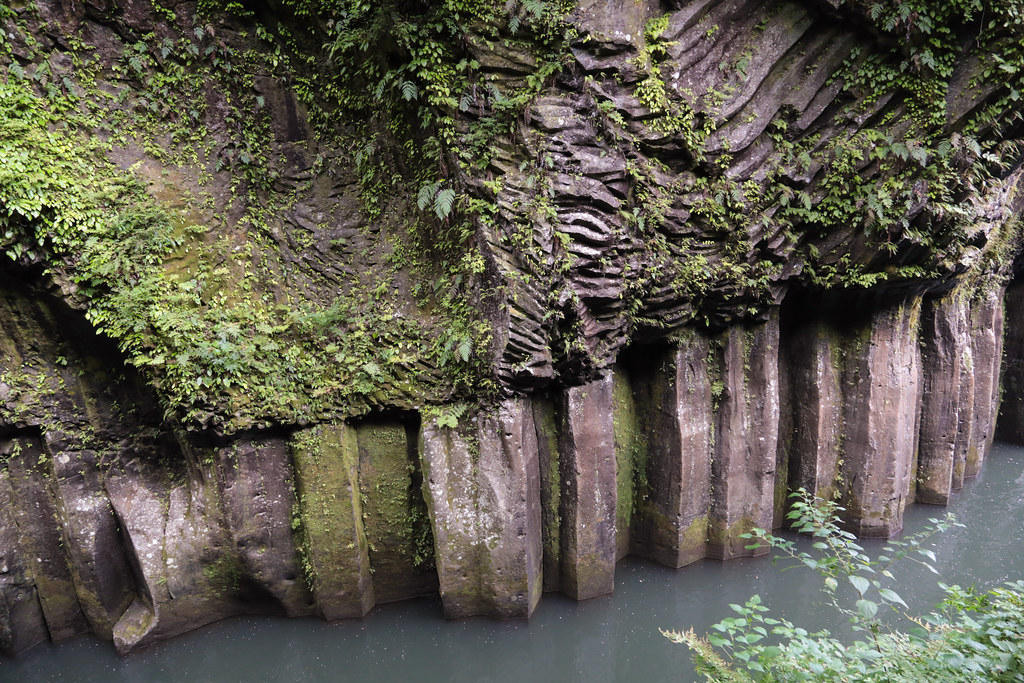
<point x="306" y="309"/>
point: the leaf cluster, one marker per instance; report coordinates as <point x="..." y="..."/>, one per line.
<point x="972" y="636"/>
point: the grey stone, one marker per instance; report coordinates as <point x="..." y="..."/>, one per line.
<point x="882" y="385"/>
<point x="588" y="499"/>
<point x="336" y="552"/>
<point x="672" y="524"/>
<point x="987" y="350"/>
<point x="746" y="440"/>
<point x="814" y="354"/>
<point x="944" y="333"/>
<point x="35" y="513"/>
<point x="394" y="513"/>
<point x="482" y="486"/>
<point x="257" y="496"/>
<point x="96" y="554"/>
<point x="22" y="623"/>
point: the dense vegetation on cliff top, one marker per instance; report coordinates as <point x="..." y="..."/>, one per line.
<point x="146" y="171"/>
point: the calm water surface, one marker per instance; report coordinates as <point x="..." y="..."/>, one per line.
<point x="606" y="639"/>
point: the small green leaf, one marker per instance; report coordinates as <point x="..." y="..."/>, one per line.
<point x="891" y="596"/>
<point x="867" y="608"/>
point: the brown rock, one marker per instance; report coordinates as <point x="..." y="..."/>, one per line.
<point x="482" y="487"/>
<point x="746" y="439"/>
<point x="335" y="553"/>
<point x="588" y="500"/>
<point x="676" y="403"/>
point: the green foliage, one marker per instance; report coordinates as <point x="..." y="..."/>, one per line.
<point x="447" y="416"/>
<point x="224" y="575"/>
<point x="204" y="316"/>
<point x="673" y="116"/>
<point x="970" y="637"/>
<point x="51" y="197"/>
<point x="204" y="300"/>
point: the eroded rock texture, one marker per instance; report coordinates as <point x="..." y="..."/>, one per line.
<point x="671" y="456"/>
<point x="678" y="333"/>
<point x="643" y="222"/>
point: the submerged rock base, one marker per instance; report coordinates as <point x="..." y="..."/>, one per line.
<point x="136" y="533"/>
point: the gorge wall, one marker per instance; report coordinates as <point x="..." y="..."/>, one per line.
<point x="137" y="533"/>
<point x="286" y="328"/>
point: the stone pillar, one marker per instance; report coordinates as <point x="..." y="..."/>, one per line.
<point x="482" y="488"/>
<point x="257" y="495"/>
<point x="588" y="499"/>
<point x="34" y="512"/>
<point x="814" y="354"/>
<point x="784" y="447"/>
<point x="965" y="419"/>
<point x="394" y="513"/>
<point x="22" y="623"/>
<point x="1011" y="412"/>
<point x="883" y="392"/>
<point x="987" y="348"/>
<point x="746" y="440"/>
<point x="672" y="523"/>
<point x="944" y="334"/>
<point x="335" y="550"/>
<point x="545" y="421"/>
<point x="96" y="554"/>
<point x="142" y="514"/>
<point x="630" y="458"/>
<point x="186" y="561"/>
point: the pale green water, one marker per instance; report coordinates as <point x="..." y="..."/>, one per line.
<point x="606" y="639"/>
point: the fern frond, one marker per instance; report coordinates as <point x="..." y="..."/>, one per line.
<point x="409" y="91"/>
<point x="465" y="347"/>
<point x="426" y="195"/>
<point x="443" y="203"/>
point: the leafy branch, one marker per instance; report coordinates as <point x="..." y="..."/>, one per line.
<point x="972" y="636"/>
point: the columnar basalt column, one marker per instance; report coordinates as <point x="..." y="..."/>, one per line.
<point x="35" y="514"/>
<point x="1011" y="412"/>
<point x="814" y="357"/>
<point x="326" y="461"/>
<point x="746" y="439"/>
<point x="22" y="623"/>
<point x="987" y="348"/>
<point x="143" y="515"/>
<point x="945" y="336"/>
<point x="965" y="419"/>
<point x="882" y="388"/>
<point x="175" y="539"/>
<point x="258" y="495"/>
<point x="482" y="487"/>
<point x="96" y="554"/>
<point x="394" y="513"/>
<point x="784" y="446"/>
<point x="546" y="423"/>
<point x="675" y="408"/>
<point x="588" y="499"/>
<point x="630" y="457"/>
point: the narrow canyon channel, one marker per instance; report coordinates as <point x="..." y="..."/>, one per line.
<point x="611" y="638"/>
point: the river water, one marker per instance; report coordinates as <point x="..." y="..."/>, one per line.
<point x="614" y="638"/>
